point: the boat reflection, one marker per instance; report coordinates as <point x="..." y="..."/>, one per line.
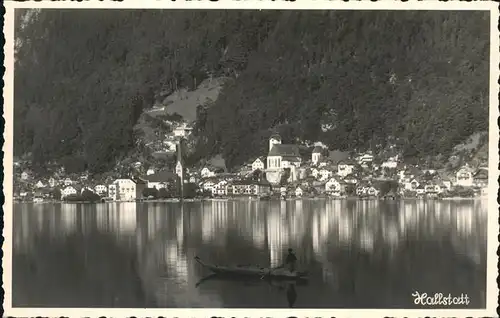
<point x="289" y="286"/>
<point x="291" y="295"/>
<point x="275" y="282"/>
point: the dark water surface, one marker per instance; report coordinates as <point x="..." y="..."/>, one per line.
<point x="360" y="254"/>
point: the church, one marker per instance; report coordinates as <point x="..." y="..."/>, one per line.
<point x="281" y="157"/>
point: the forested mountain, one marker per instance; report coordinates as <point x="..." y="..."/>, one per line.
<point x="351" y="79"/>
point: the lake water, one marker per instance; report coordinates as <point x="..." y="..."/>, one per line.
<point x="360" y="254"/>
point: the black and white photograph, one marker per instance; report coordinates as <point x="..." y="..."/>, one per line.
<point x="235" y="158"/>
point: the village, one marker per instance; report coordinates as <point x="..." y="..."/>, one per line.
<point x="283" y="173"/>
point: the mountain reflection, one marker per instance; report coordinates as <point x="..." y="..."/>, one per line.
<point x="368" y="254"/>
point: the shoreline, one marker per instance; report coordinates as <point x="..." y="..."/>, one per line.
<point x="176" y="200"/>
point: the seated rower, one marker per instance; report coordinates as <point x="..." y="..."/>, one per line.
<point x="290" y="260"/>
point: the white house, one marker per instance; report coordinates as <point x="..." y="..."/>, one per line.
<point x="299" y="192"/>
<point x="402" y="176"/>
<point x="365" y="158"/>
<point x="100" y="189"/>
<point x="86" y="188"/>
<point x="315" y="172"/>
<point x="412" y="185"/>
<point x="429" y="171"/>
<point x="432" y="188"/>
<point x="207" y="173"/>
<point x="391" y="163"/>
<point x="137" y="164"/>
<point x="157" y="185"/>
<point x="182" y="130"/>
<point x="258" y="164"/>
<point x="372" y="191"/>
<point x="40" y="184"/>
<point x="351" y="179"/>
<point x="324" y="174"/>
<point x="150" y="171"/>
<point x="367" y="190"/>
<point x="25" y="175"/>
<point x="128" y="189"/>
<point x="345" y="168"/>
<point x="465" y="177"/>
<point x="420" y="190"/>
<point x="68" y="182"/>
<point x="169" y="145"/>
<point x="361" y="190"/>
<point x="447" y="184"/>
<point x="283" y="191"/>
<point x="52" y="182"/>
<point x="333" y="187"/>
<point x="69" y="190"/>
<point x="208" y="186"/>
<point x="220" y="188"/>
<point x="112" y="193"/>
<point x="316" y="155"/>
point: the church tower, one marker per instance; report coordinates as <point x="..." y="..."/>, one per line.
<point x="179" y="167"/>
<point x="275" y="139"/>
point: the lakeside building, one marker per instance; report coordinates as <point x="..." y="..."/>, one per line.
<point x="126" y="189"/>
<point x="259" y="164"/>
<point x="316" y="155"/>
<point x="464" y="177"/>
<point x="281" y="157"/>
<point x="160" y="180"/>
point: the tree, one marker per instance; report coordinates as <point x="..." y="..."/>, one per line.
<point x="190" y="190"/>
<point x="56" y="194"/>
<point x="350" y="190"/>
<point x="163" y="193"/>
<point x="355" y="86"/>
<point x="257" y="175"/>
<point x="150" y="192"/>
<point x="387" y="186"/>
<point x="89" y="196"/>
<point x="285" y="176"/>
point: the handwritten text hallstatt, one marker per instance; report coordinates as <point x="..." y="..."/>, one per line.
<point x="438" y="299"/>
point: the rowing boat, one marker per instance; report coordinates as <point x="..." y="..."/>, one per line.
<point x="257" y="271"/>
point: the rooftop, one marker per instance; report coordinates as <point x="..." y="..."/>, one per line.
<point x="284" y="150"/>
<point x="160" y="176"/>
<point x="275" y="136"/>
<point x="335" y="156"/>
<point x="318" y="149"/>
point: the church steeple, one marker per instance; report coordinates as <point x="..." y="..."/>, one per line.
<point x="179" y="167"/>
<point x="274" y="139"/>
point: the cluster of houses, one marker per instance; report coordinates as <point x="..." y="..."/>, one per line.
<point x="337" y="174"/>
<point x="167" y="142"/>
<point x="283" y="172"/>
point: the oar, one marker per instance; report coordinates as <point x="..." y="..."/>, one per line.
<point x="272" y="269"/>
<point x="204" y="279"/>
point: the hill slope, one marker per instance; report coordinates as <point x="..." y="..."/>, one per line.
<point x="350" y="79"/>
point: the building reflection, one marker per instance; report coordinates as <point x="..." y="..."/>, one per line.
<point x="277" y="235"/>
<point x="167" y="236"/>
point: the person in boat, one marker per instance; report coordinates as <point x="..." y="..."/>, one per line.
<point x="290" y="260"/>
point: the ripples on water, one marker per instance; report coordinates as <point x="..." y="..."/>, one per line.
<point x="360" y="254"/>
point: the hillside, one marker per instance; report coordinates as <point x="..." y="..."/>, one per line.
<point x="348" y="79"/>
